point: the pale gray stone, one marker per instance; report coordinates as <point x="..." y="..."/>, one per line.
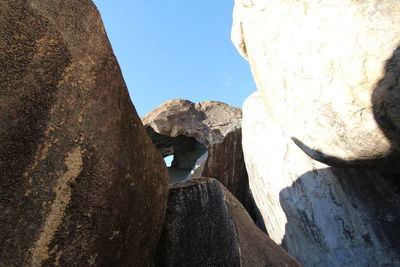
<point x="329" y="74"/>
<point x="323" y="216"/>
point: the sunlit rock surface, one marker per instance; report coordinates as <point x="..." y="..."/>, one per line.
<point x="81" y="184"/>
<point x="329" y="74"/>
<point x="207" y="226"/>
<point x="205" y="139"/>
<point x="322" y="215"/>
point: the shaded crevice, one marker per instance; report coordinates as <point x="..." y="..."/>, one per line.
<point x="189" y="154"/>
<point x="191" y="160"/>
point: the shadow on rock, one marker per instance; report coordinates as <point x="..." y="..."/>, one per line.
<point x="350" y="213"/>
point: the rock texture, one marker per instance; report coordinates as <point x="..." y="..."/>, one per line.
<point x="323" y="216"/>
<point x="207" y="226"/>
<point x="205" y="139"/>
<point x="329" y="74"/>
<point x="81" y="184"/>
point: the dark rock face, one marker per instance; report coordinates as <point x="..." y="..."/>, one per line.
<point x="207" y="226"/>
<point x="80" y="182"/>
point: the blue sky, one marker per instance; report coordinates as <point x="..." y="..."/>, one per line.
<point x="176" y="49"/>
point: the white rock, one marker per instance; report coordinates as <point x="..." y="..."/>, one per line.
<point x="323" y="216"/>
<point x="323" y="71"/>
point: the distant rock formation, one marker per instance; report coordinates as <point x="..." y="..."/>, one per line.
<point x="328" y="74"/>
<point x="323" y="216"/>
<point x="81" y="184"/>
<point x="207" y="226"/>
<point x="321" y="137"/>
<point x="205" y="139"/>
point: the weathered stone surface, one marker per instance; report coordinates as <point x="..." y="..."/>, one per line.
<point x="205" y="139"/>
<point x="329" y="74"/>
<point x="323" y="216"/>
<point x="81" y="183"/>
<point x="207" y="226"/>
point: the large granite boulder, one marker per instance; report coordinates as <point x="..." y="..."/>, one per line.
<point x="205" y="139"/>
<point x="207" y="226"/>
<point x="323" y="216"/>
<point x="81" y="184"/>
<point x="329" y="74"/>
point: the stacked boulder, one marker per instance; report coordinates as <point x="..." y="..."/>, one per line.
<point x="206" y="225"/>
<point x="321" y="136"/>
<point x="205" y="139"/>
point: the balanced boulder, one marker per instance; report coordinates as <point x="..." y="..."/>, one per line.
<point x="205" y="139"/>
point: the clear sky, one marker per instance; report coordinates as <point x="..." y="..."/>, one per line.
<point x="176" y="49"/>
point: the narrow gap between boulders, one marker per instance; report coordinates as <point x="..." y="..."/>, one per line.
<point x="189" y="155"/>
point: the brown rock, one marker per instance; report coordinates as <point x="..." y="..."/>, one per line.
<point x="205" y="139"/>
<point x="81" y="183"/>
<point x="207" y="226"/>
